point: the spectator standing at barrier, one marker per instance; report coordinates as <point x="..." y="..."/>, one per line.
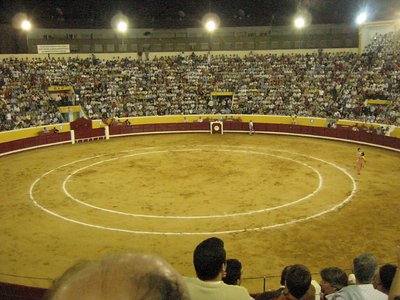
<point x="233" y="272"/>
<point x="332" y="281"/>
<point x="209" y="262"/>
<point x="251" y="128"/>
<point x="365" y="267"/>
<point x="122" y="277"/>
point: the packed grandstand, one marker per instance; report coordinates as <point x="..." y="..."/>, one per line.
<point x="320" y="84"/>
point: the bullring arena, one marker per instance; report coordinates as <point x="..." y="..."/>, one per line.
<point x="102" y="155"/>
<point x="274" y="199"/>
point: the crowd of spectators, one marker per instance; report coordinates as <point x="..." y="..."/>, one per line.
<point x="24" y="99"/>
<point x="144" y="276"/>
<point x="321" y="84"/>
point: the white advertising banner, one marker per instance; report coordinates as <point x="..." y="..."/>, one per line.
<point x="52" y="49"/>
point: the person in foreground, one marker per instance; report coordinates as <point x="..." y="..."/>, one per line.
<point x="333" y="279"/>
<point x="298" y="281"/>
<point x="365" y="267"/>
<point x="394" y="293"/>
<point x="233" y="272"/>
<point x="209" y="262"/>
<point x="121" y="277"/>
<point x="383" y="278"/>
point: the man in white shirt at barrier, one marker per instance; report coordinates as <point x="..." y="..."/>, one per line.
<point x="251" y="128"/>
<point x="209" y="260"/>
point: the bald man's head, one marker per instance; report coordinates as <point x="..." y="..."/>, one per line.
<point x="121" y="277"/>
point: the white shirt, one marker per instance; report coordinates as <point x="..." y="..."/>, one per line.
<point x="218" y="290"/>
<point x="359" y="292"/>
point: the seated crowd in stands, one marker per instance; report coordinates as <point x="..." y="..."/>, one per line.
<point x="321" y="84"/>
<point x="144" y="276"/>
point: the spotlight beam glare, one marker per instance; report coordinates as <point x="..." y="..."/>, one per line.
<point x="26" y="25"/>
<point x="362" y="18"/>
<point x="122" y="26"/>
<point x="299" y="22"/>
<point x="211" y="26"/>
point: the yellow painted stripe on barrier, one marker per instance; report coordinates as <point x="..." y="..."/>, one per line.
<point x="59" y="88"/>
<point x="221" y="94"/>
<point x="8" y="136"/>
<point x="376" y="101"/>
<point x="67" y="109"/>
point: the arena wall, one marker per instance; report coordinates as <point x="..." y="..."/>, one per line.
<point x="31" y="138"/>
<point x="317" y="122"/>
<point x="302" y="121"/>
<point x="7" y="136"/>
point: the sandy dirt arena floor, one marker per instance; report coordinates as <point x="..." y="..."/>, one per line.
<point x="274" y="200"/>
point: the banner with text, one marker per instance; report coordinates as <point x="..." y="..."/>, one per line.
<point x="53" y="49"/>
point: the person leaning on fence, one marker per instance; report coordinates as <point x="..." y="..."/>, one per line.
<point x="120" y="277"/>
<point x="209" y="262"/>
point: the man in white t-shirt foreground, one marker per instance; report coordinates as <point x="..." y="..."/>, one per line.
<point x="209" y="259"/>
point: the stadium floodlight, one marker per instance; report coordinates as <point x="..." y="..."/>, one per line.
<point x="26" y="25"/>
<point x="299" y="22"/>
<point x="211" y="25"/>
<point x="120" y="22"/>
<point x="210" y="22"/>
<point x="122" y="26"/>
<point x="362" y="18"/>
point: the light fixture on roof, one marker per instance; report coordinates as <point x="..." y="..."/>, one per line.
<point x="299" y="22"/>
<point x="211" y="26"/>
<point x="122" y="26"/>
<point x="362" y="18"/>
<point x="211" y="22"/>
<point x="120" y="22"/>
<point x="26" y="25"/>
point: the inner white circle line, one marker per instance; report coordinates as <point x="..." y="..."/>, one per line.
<point x="320" y="183"/>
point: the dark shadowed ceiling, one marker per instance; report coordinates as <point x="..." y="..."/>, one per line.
<point x="188" y="13"/>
